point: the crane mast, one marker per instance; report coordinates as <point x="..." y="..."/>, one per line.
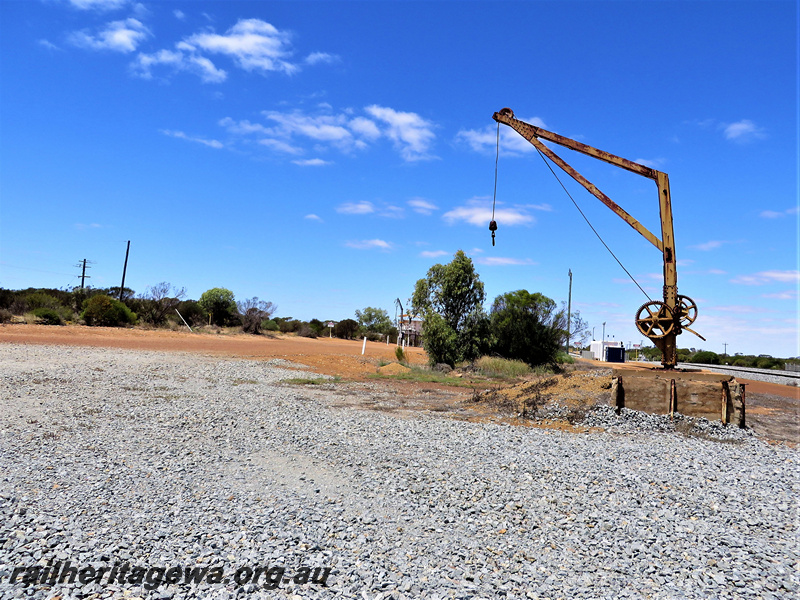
<point x="660" y="321"/>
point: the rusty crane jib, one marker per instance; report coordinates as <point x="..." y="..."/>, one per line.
<point x="660" y="321"/>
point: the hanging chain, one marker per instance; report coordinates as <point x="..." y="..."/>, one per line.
<point x="493" y="223"/>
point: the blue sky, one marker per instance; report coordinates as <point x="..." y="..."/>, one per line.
<point x="323" y="155"/>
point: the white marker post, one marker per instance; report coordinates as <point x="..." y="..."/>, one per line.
<point x="364" y="346"/>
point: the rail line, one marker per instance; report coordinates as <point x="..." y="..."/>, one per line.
<point x="767" y="375"/>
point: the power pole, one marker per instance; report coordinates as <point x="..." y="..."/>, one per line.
<point x="569" y="309"/>
<point x="124" y="268"/>
<point x="83" y="266"/>
<point x="726" y="348"/>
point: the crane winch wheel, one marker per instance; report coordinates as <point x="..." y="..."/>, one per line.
<point x="655" y="319"/>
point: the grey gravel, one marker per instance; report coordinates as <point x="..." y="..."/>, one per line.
<point x="156" y="459"/>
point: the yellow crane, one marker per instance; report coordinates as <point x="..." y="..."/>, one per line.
<point x="660" y="321"/>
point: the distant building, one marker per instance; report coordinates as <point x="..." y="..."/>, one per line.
<point x="410" y="330"/>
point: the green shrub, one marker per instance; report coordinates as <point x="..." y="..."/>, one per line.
<point x="705" y="357"/>
<point x="41" y="300"/>
<point x="270" y="325"/>
<point x="289" y="326"/>
<point x="399" y="354"/>
<point x="5" y="315"/>
<point x="193" y="313"/>
<point x="107" y="312"/>
<point x="220" y="304"/>
<point x="47" y="316"/>
<point x="346" y="329"/>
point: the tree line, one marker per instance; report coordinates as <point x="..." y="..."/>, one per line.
<point x="520" y="325"/>
<point x="165" y="305"/>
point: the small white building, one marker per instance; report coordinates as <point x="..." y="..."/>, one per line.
<point x="598" y="349"/>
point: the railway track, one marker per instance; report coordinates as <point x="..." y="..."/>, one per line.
<point x="768" y="375"/>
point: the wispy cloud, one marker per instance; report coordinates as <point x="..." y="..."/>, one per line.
<point x="478" y="211"/>
<point x="47" y="44"/>
<point x="742" y="131"/>
<point x="177" y="60"/>
<point x="774" y="214"/>
<point x="422" y="206"/>
<point x="765" y="277"/>
<point x="433" y="253"/>
<point x="369" y="245"/>
<point x="653" y="163"/>
<point x="319" y="58"/>
<point x="785" y="295"/>
<point x="118" y="36"/>
<point x="85" y="226"/>
<point x="312" y="162"/>
<point x="313" y="217"/>
<point x="343" y="131"/>
<point x="484" y="140"/>
<point x="710" y="245"/>
<point x="364" y="207"/>
<point x="181" y="135"/>
<point x="501" y="261"/>
<point x="101" y="5"/>
<point x="179" y="14"/>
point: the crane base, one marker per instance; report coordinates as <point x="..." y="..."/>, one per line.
<point x="691" y="393"/>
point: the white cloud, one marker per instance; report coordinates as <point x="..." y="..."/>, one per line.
<point x="484" y="140"/>
<point x="47" y="44"/>
<point x="500" y="261"/>
<point x="280" y="146"/>
<point x="328" y="130"/>
<point x="433" y="253"/>
<point x="369" y="245"/>
<point x="179" y="14"/>
<point x="765" y="277"/>
<point x="178" y="61"/>
<point x="392" y="212"/>
<point x="318" y="58"/>
<point x="181" y="135"/>
<point x="252" y="43"/>
<point x="785" y="295"/>
<point x="98" y="4"/>
<point x="478" y="211"/>
<point x="773" y="214"/>
<point x="411" y="134"/>
<point x="356" y="208"/>
<point x="312" y="162"/>
<point x="653" y="163"/>
<point x="85" y="226"/>
<point x="118" y="36"/>
<point x="324" y="128"/>
<point x="742" y="131"/>
<point x="365" y="128"/>
<point x="422" y="206"/>
<point x="710" y="245"/>
<point x="313" y="217"/>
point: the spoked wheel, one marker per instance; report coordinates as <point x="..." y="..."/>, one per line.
<point x="655" y="319"/>
<point x="686" y="310"/>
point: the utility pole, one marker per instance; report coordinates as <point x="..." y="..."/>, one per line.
<point x="82" y="265"/>
<point x="124" y="269"/>
<point x="726" y="348"/>
<point x="569" y="309"/>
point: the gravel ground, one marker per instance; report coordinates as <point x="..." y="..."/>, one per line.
<point x="160" y="460"/>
